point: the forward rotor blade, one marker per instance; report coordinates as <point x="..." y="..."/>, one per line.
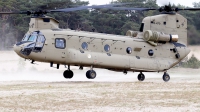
<point x="41" y="12"/>
<point x="13" y="12"/>
<point x="128" y="8"/>
<point x="70" y="9"/>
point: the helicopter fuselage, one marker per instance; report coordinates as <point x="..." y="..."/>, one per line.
<point x="160" y="43"/>
<point x="113" y="52"/>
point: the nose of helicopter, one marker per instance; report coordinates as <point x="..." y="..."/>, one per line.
<point x="17" y="49"/>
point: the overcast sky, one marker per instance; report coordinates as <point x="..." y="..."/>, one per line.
<point x="160" y="2"/>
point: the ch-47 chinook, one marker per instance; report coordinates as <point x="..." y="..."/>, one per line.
<point x="159" y="45"/>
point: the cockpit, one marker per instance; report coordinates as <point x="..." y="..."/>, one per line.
<point x="33" y="42"/>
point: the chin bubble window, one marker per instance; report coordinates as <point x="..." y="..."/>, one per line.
<point x="40" y="41"/>
<point x="60" y="43"/>
<point x="150" y="52"/>
<point x="107" y="48"/>
<point x="129" y="50"/>
<point x="84" y="45"/>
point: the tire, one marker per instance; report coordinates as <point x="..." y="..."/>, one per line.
<point x="91" y="74"/>
<point x="87" y="74"/>
<point x="68" y="74"/>
<point x="71" y="74"/>
<point x="166" y="77"/>
<point x="65" y="74"/>
<point x="141" y="77"/>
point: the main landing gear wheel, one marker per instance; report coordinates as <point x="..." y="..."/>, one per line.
<point x="166" y="77"/>
<point x="68" y="74"/>
<point x="91" y="74"/>
<point x="141" y="77"/>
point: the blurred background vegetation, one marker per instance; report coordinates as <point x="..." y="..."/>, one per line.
<point x="193" y="62"/>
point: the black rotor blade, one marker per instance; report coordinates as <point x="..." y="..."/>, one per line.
<point x="71" y="9"/>
<point x="148" y="9"/>
<point x="41" y="12"/>
<point x="191" y="9"/>
<point x="23" y="12"/>
<point x="129" y="8"/>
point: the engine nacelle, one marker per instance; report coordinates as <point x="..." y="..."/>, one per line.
<point x="159" y="37"/>
<point x="131" y="33"/>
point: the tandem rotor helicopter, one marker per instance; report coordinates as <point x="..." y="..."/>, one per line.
<point x="159" y="45"/>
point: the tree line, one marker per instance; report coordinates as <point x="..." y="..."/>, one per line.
<point x="13" y="27"/>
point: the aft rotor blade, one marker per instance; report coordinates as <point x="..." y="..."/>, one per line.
<point x="191" y="9"/>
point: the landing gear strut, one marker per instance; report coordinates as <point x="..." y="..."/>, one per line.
<point x="68" y="74"/>
<point x="125" y="72"/>
<point x="81" y="68"/>
<point x="166" y="77"/>
<point x="141" y="77"/>
<point x="91" y="74"/>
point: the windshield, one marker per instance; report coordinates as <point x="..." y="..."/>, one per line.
<point x="32" y="38"/>
<point x="26" y="37"/>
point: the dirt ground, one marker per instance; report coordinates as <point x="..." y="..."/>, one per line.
<point x="37" y="87"/>
<point x="97" y="96"/>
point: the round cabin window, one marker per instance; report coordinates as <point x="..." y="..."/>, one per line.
<point x="129" y="50"/>
<point x="107" y="48"/>
<point x="84" y="45"/>
<point x="150" y="52"/>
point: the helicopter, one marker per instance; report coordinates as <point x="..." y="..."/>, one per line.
<point x="160" y="44"/>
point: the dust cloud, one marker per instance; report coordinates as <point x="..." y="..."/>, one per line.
<point x="37" y="87"/>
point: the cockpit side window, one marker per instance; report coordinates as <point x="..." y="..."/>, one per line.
<point x="40" y="41"/>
